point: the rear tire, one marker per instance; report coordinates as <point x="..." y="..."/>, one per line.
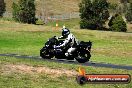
<point x="44" y="54"/>
<point x="70" y="57"/>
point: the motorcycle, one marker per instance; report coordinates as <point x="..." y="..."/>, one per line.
<point x="81" y="53"/>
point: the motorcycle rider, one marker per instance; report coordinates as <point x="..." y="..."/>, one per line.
<point x="70" y="40"/>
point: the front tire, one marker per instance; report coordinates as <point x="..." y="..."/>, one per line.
<point x="83" y="58"/>
<point x="44" y="54"/>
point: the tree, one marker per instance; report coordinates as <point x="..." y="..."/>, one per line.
<point x="24" y="11"/>
<point x="2" y="7"/>
<point x="93" y="14"/>
<point x="117" y="24"/>
<point x="15" y="11"/>
<point x="128" y="14"/>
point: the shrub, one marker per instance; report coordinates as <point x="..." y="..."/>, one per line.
<point x="2" y="7"/>
<point x="118" y="24"/>
<point x="93" y="14"/>
<point x="15" y="11"/>
<point x="24" y="11"/>
<point x="39" y="22"/>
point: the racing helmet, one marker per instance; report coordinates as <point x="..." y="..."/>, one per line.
<point x="65" y="32"/>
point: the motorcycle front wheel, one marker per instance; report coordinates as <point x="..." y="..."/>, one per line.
<point x="83" y="58"/>
<point x="44" y="54"/>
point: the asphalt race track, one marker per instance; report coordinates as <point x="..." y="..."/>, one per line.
<point x="95" y="64"/>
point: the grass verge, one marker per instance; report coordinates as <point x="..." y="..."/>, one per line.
<point x="11" y="78"/>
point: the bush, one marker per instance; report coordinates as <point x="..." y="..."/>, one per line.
<point x="39" y="22"/>
<point x="15" y="11"/>
<point x="93" y="14"/>
<point x="88" y="24"/>
<point x="118" y="24"/>
<point x="2" y="7"/>
<point x="24" y="11"/>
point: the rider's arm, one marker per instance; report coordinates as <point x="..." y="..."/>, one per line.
<point x="61" y="37"/>
<point x="65" y="42"/>
<point x="76" y="40"/>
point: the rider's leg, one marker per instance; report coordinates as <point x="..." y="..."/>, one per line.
<point x="69" y="51"/>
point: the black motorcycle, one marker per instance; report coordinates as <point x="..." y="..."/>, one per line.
<point x="81" y="53"/>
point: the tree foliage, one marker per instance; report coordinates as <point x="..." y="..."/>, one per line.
<point x="2" y="7"/>
<point x="15" y="11"/>
<point x="24" y="11"/>
<point x="117" y="24"/>
<point x="93" y="13"/>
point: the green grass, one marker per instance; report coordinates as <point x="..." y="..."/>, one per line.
<point x="73" y="23"/>
<point x="28" y="39"/>
<point x="108" y="47"/>
<point x="41" y="80"/>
